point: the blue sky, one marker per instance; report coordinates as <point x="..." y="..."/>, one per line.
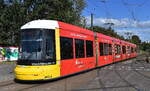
<point x="127" y="15"/>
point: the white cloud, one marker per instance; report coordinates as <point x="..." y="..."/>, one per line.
<point x="142" y="33"/>
<point x="121" y="26"/>
<point x="120" y="23"/>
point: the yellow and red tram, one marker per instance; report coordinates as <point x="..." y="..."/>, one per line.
<point x="52" y="49"/>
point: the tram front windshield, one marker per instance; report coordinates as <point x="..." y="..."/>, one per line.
<point x="31" y="44"/>
<point x="37" y="47"/>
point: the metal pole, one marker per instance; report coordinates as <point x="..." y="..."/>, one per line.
<point x="92" y="21"/>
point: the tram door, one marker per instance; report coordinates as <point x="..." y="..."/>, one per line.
<point x="105" y="48"/>
<point x="117" y="51"/>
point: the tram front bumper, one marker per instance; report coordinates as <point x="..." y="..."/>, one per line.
<point x="36" y="72"/>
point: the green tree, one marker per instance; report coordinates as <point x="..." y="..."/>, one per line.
<point x="11" y="20"/>
<point x="109" y="32"/>
<point x="145" y="46"/>
<point x="15" y="13"/>
<point x="63" y="10"/>
<point x="135" y="39"/>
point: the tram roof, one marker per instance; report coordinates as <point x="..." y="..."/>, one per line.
<point x="53" y="24"/>
<point x="44" y="24"/>
<point x="74" y="28"/>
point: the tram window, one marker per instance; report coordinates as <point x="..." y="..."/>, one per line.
<point x="129" y="49"/>
<point x="49" y="48"/>
<point x="118" y="49"/>
<point x="132" y="50"/>
<point x="89" y="48"/>
<point x="115" y="49"/>
<point x="66" y="45"/>
<point x="79" y="46"/>
<point x="101" y="47"/>
<point x="106" y="49"/>
<point x="110" y="49"/>
<point x="136" y="49"/>
<point x="123" y="49"/>
<point x="50" y="45"/>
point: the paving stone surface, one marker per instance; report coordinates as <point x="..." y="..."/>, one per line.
<point x="130" y="75"/>
<point x="6" y="72"/>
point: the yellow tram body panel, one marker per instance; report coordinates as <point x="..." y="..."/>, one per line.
<point x="41" y="72"/>
<point x="37" y="72"/>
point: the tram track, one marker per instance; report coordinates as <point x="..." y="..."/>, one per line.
<point x="102" y="85"/>
<point x="124" y="80"/>
<point x="133" y="68"/>
<point x="139" y="62"/>
<point x="27" y="88"/>
<point x="6" y="83"/>
<point x="6" y="86"/>
<point x="128" y="84"/>
<point x="148" y="77"/>
<point x="120" y="74"/>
